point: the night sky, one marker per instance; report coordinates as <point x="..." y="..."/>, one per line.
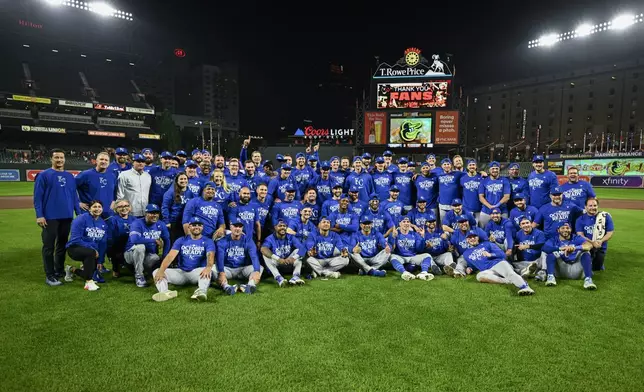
<point x="284" y="49"/>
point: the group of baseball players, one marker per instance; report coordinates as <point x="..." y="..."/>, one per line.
<point x="204" y="220"/>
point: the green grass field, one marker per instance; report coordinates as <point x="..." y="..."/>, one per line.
<point x="356" y="333"/>
<point x="16" y="188"/>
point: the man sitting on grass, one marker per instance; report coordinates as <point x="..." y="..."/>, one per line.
<point x="569" y="255"/>
<point x="237" y="259"/>
<point x="196" y="258"/>
<point x="281" y="253"/>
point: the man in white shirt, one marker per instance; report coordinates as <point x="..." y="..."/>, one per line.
<point x="134" y="186"/>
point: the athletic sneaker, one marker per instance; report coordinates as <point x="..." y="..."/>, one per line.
<point x="166" y="295"/>
<point x="52" y="281"/>
<point x="362" y="273"/>
<point x="526" y="290"/>
<point x="436" y="270"/>
<point x="541" y="276"/>
<point x="458" y="274"/>
<point x="104" y="270"/>
<point x="449" y="270"/>
<point x="296" y="280"/>
<point x="589" y="285"/>
<point x="529" y="270"/>
<point x="551" y="281"/>
<point x="378" y="273"/>
<point x="281" y="282"/>
<point x="230" y="290"/>
<point x="69" y="275"/>
<point x="425" y="276"/>
<point x="97" y="277"/>
<point x="140" y="281"/>
<point x="199" y="295"/>
<point x="333" y="275"/>
<point x="407" y="276"/>
<point x="91" y="286"/>
<point x="250" y="288"/>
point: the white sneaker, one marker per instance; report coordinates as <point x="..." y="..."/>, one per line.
<point x="69" y="275"/>
<point x="526" y="291"/>
<point x="164" y="296"/>
<point x="425" y="276"/>
<point x="91" y="286"/>
<point x="529" y="271"/>
<point x="589" y="285"/>
<point x="333" y="275"/>
<point x="199" y="295"/>
<point x="408" y="276"/>
<point x="551" y="281"/>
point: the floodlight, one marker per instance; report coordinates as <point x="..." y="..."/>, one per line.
<point x="622" y="21"/>
<point x="102" y="9"/>
<point x="55" y="50"/>
<point x="549" y="39"/>
<point x="25" y="46"/>
<point x="54" y="2"/>
<point x="584" y="29"/>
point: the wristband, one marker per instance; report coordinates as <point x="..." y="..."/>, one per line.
<point x="275" y="257"/>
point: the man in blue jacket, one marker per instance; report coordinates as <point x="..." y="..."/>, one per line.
<point x="162" y="178"/>
<point x="97" y="184"/>
<point x="147" y="235"/>
<point x="55" y="201"/>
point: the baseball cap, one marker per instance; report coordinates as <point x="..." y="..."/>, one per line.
<point x="195" y="220"/>
<point x="289" y="188"/>
<point x="404" y="218"/>
<point x="166" y="154"/>
<point x="471" y="161"/>
<point x="457" y="202"/>
<point x="357" y="158"/>
<point x="412" y="164"/>
<point x="387" y="153"/>
<point x="300" y="155"/>
<point x="556" y="191"/>
<point x="279" y="158"/>
<point x="374" y="196"/>
<point x="190" y="163"/>
<point x="281" y="222"/>
<point x="205" y="152"/>
<point x="286" y="166"/>
<point x="121" y="151"/>
<point x="421" y="199"/>
<point x="394" y="188"/>
<point x="324" y="217"/>
<point x="334" y="158"/>
<point x="472" y="233"/>
<point x="431" y="217"/>
<point x="354" y="188"/>
<point x="313" y="158"/>
<point x="209" y="184"/>
<point x="380" y="160"/>
<point x="344" y="196"/>
<point x="495" y="211"/>
<point x="337" y="186"/>
<point x="366" y="155"/>
<point x="195" y="151"/>
<point x="152" y="208"/>
<point x="235" y="221"/>
<point x="430" y="156"/>
<point x="325" y="165"/>
<point x="425" y="164"/>
<point x="403" y="160"/>
<point x="494" y="164"/>
<point x="513" y="166"/>
<point x="139" y="158"/>
<point x="519" y="196"/>
<point x="462" y="218"/>
<point x="524" y="217"/>
<point x="181" y="153"/>
<point x="366" y="219"/>
<point x="267" y="162"/>
<point x="146" y="150"/>
<point x="562" y="224"/>
<point x="538" y="158"/>
<point x="446" y="160"/>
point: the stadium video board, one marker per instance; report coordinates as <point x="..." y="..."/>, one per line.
<point x="411" y="129"/>
<point x="413" y="95"/>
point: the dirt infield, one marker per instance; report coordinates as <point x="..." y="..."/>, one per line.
<point x="14" y="202"/>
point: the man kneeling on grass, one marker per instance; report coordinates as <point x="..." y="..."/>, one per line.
<point x="196" y="259"/>
<point x="569" y="255"/>
<point x="281" y="252"/>
<point x="237" y="259"/>
<point x="489" y="259"/>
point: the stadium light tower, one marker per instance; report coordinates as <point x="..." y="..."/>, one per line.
<point x="619" y="23"/>
<point x="100" y="8"/>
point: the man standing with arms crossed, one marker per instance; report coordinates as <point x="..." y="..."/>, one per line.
<point x="540" y="182"/>
<point x="134" y="186"/>
<point x="55" y="201"/>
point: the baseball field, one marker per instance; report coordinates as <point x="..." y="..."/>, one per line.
<point x="355" y="333"/>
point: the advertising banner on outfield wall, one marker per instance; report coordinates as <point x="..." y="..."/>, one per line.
<point x="27" y="98"/>
<point x="556" y="167"/>
<point x="564" y="179"/>
<point x="76" y="104"/>
<point x="32" y="173"/>
<point x="616" y="182"/>
<point x="9" y="175"/>
<point x="139" y="110"/>
<point x="446" y="127"/>
<point x="608" y="167"/>
<point x="105" y="133"/>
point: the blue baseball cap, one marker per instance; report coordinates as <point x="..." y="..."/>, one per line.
<point x="344" y="196"/>
<point x="425" y="164"/>
<point x="337" y="186"/>
<point x="472" y="233"/>
<point x="556" y="191"/>
<point x="462" y="218"/>
<point x="267" y="162"/>
<point x="289" y="188"/>
<point x="421" y="199"/>
<point x="394" y="188"/>
<point x="404" y="218"/>
<point x="519" y="196"/>
<point x="300" y="155"/>
<point x="380" y="160"/>
<point x="354" y="188"/>
<point x="357" y="158"/>
<point x="195" y="220"/>
<point x="235" y="221"/>
<point x="325" y="165"/>
<point x="146" y="150"/>
<point x="494" y="164"/>
<point x="152" y="208"/>
<point x="562" y="224"/>
<point x="205" y="152"/>
<point x="366" y="219"/>
<point x="209" y="184"/>
<point x="121" y="151"/>
<point x="279" y="158"/>
<point x="403" y="160"/>
<point x="374" y="196"/>
<point x="285" y="166"/>
<point x="412" y="164"/>
<point x="457" y="202"/>
<point x="334" y="158"/>
<point x="181" y="153"/>
<point x="538" y="158"/>
<point x="195" y="151"/>
<point x="190" y="163"/>
<point x="513" y="166"/>
<point x="313" y="158"/>
<point x="431" y="217"/>
<point x="387" y="153"/>
<point x="471" y="161"/>
<point x="324" y="217"/>
<point x="366" y="155"/>
<point x="430" y="155"/>
<point x="281" y="221"/>
<point x="495" y="211"/>
<point x="524" y="217"/>
<point x="446" y="160"/>
<point x="138" y="158"/>
<point x="166" y="154"/>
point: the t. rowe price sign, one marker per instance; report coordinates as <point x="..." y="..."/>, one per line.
<point x="31" y="174"/>
<point x="446" y="127"/>
<point x="332" y="133"/>
<point x="616" y="181"/>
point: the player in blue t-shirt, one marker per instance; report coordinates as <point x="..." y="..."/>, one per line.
<point x="196" y="257"/>
<point x="597" y="228"/>
<point x="577" y="191"/>
<point x="568" y="256"/>
<point x="237" y="259"/>
<point x="408" y="248"/>
<point x="528" y="242"/>
<point x="327" y="252"/>
<point x="281" y="252"/>
<point x="540" y="182"/>
<point x="494" y="192"/>
<point x="369" y="249"/>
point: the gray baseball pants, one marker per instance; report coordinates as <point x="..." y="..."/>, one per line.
<point x="179" y="277"/>
<point x="142" y="261"/>
<point x="369" y="263"/>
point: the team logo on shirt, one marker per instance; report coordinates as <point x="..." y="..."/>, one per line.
<point x="220" y="195"/>
<point x="62" y="181"/>
<point x="434" y="242"/>
<point x="234" y="187"/>
<point x="472" y="186"/>
<point x="494" y="188"/>
<point x="559" y="216"/>
<point x="192" y="250"/>
<point x="235" y="252"/>
<point x="535" y="183"/>
<point x="193" y="188"/>
<point x="152" y="234"/>
<point x="95" y="233"/>
<point x="446" y="180"/>
<point x="477" y="254"/>
<point x="358" y="181"/>
<point x="290" y="212"/>
<point x="323" y="189"/>
<point x="209" y="211"/>
<point x="407" y="243"/>
<point x="103" y="182"/>
<point x="163" y="181"/>
<point x="368" y="244"/>
<point x="426" y="185"/>
<point x="420" y="221"/>
<point x="499" y="235"/>
<point x="345" y="220"/>
<point x="324" y="247"/>
<point x="403" y="180"/>
<point x="246" y="215"/>
<point x="283" y="251"/>
<point x="381" y="181"/>
<point x="573" y="193"/>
